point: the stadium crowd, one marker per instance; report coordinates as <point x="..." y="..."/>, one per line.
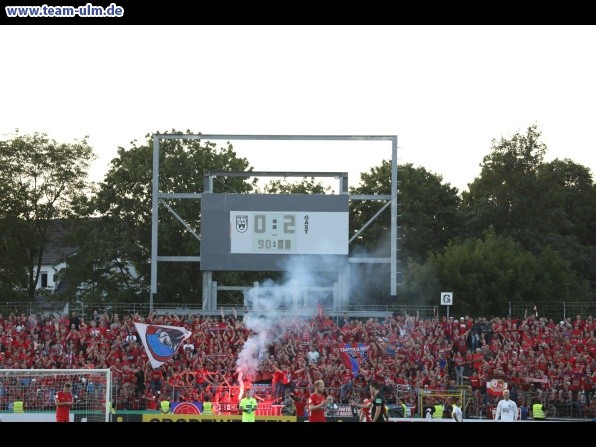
<point x="555" y="361"/>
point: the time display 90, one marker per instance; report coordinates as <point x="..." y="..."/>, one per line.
<point x="274" y="232"/>
<point x="288" y="232"/>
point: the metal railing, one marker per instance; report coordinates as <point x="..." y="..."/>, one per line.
<point x="87" y="309"/>
<point x="476" y="405"/>
<point x="556" y="311"/>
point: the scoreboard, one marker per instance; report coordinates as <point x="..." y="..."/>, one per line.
<point x="260" y="231"/>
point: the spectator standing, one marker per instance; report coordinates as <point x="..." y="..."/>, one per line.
<point x="346" y="387"/>
<point x="523" y="412"/>
<point x="289" y="406"/>
<point x="312" y="355"/>
<point x="156" y="380"/>
<point x="331" y="408"/>
<point x="276" y="381"/>
<point x="75" y="320"/>
<point x="459" y="362"/>
<point x="151" y="399"/>
<point x="456" y="412"/>
<point x="343" y="320"/>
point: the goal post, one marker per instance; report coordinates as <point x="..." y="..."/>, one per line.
<point x="430" y="398"/>
<point x="28" y="395"/>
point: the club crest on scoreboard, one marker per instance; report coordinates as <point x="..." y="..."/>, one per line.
<point x="241" y="224"/>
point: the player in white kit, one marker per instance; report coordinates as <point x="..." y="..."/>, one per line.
<point x="506" y="409"/>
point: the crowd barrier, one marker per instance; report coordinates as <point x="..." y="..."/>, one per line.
<point x="267" y="409"/>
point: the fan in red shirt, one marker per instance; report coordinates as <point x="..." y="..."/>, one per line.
<point x="151" y="398"/>
<point x="64" y="401"/>
<point x="316" y="403"/>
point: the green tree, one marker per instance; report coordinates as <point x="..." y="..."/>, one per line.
<point x="428" y="218"/>
<point x="41" y="180"/>
<point x="428" y="214"/>
<point x="485" y="274"/>
<point x="537" y="204"/>
<point x="507" y="195"/>
<point x="115" y="249"/>
<point x="13" y="258"/>
<point x="420" y="284"/>
<point x="306" y="186"/>
<point x="571" y="188"/>
<point x="569" y="215"/>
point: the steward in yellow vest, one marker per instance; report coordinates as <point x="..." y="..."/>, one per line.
<point x="207" y="406"/>
<point x="164" y="406"/>
<point x="538" y="413"/>
<point x="18" y="406"/>
<point x="438" y="414"/>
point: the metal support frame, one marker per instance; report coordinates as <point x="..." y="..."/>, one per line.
<point x="209" y="289"/>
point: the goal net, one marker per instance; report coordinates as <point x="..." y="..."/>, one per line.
<point x="431" y="400"/>
<point x="28" y="395"/>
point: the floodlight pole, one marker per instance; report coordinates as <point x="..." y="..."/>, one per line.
<point x="393" y="271"/>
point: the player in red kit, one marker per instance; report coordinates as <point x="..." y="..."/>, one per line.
<point x="364" y="412"/>
<point x="317" y="403"/>
<point x="64" y="401"/>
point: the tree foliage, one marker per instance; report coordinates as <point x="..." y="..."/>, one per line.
<point x="40" y="180"/>
<point x="428" y="217"/>
<point x="306" y="186"/>
<point x="569" y="214"/>
<point x="537" y="204"/>
<point x="524" y="231"/>
<point x="507" y="195"/>
<point x="428" y="214"/>
<point x="486" y="273"/>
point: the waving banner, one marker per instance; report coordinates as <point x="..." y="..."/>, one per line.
<point x="354" y="355"/>
<point x="161" y="342"/>
<point x="495" y="387"/>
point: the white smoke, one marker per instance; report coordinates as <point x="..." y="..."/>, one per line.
<point x="371" y="279"/>
<point x="274" y="307"/>
<point x="251" y="354"/>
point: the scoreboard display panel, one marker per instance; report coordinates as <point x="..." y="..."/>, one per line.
<point x="259" y="231"/>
